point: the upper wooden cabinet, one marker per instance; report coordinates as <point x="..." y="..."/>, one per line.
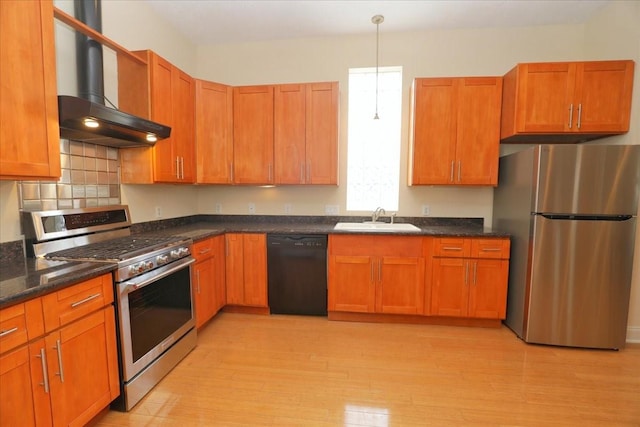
<point x="29" y="131"/>
<point x="171" y="101"/>
<point x="566" y="101"/>
<point x="456" y="128"/>
<point x="253" y="134"/>
<point x="306" y="133"/>
<point x="214" y="133"/>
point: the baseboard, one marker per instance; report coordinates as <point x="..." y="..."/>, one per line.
<point x="633" y="334"/>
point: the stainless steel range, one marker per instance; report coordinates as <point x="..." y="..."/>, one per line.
<point x="156" y="325"/>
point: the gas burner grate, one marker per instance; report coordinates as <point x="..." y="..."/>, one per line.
<point x="116" y="249"/>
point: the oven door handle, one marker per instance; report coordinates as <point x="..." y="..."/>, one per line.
<point x="130" y="286"/>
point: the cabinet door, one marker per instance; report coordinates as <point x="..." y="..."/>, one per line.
<point x="203" y="291"/>
<point x="321" y="155"/>
<point x="289" y="134"/>
<point x="449" y="291"/>
<point x="253" y="135"/>
<point x="488" y="288"/>
<point x="165" y="165"/>
<point x="214" y="132"/>
<point x="83" y="368"/>
<point x="255" y="269"/>
<point x="29" y="131"/>
<point x="478" y="131"/>
<point x="434" y="131"/>
<point x="401" y="285"/>
<point x="23" y="401"/>
<point x="234" y="268"/>
<point x="545" y="96"/>
<point x="183" y="139"/>
<point x="351" y="284"/>
<point x="603" y="96"/>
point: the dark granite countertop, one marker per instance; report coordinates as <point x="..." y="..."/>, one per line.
<point x="29" y="278"/>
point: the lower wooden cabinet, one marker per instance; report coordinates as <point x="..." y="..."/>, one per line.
<point x="208" y="278"/>
<point x="469" y="278"/>
<point x="67" y="376"/>
<point x="246" y="269"/>
<point x="376" y="274"/>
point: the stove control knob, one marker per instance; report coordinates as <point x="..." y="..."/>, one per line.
<point x="175" y="254"/>
<point x="183" y="251"/>
<point x="148" y="265"/>
<point x="162" y="259"/>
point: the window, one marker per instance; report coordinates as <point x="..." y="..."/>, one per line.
<point x="373" y="152"/>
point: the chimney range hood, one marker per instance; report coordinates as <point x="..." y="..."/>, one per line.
<point x="86" y="121"/>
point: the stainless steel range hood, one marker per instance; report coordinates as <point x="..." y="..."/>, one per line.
<point x="115" y="128"/>
<point x="86" y="118"/>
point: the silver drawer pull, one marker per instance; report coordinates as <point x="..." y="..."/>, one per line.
<point x="45" y="373"/>
<point x="451" y="248"/>
<point x="58" y="349"/>
<point x="204" y="251"/>
<point x="8" y="331"/>
<point x="87" y="299"/>
<point x="491" y="250"/>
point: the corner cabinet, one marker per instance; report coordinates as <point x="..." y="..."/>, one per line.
<point x="469" y="277"/>
<point x="246" y="269"/>
<point x="253" y="134"/>
<point x="214" y="133"/>
<point x="566" y="101"/>
<point x="171" y="94"/>
<point x="59" y="362"/>
<point x="376" y="274"/>
<point x="29" y="131"/>
<point x="455" y="131"/>
<point x="306" y="133"/>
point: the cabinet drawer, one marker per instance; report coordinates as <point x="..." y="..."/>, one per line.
<point x="202" y="249"/>
<point x="69" y="304"/>
<point x="20" y="323"/>
<point x="452" y="247"/>
<point x="490" y="248"/>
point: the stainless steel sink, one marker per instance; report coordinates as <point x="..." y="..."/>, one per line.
<point x="382" y="227"/>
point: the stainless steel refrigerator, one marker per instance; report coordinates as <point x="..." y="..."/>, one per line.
<point x="571" y="211"/>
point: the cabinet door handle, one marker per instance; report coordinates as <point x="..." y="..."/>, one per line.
<point x="86" y="300"/>
<point x="570" y="115"/>
<point x="379" y="271"/>
<point x="45" y="373"/>
<point x="466" y="273"/>
<point x="490" y="250"/>
<point x="8" y="331"/>
<point x="204" y="251"/>
<point x="270" y="172"/>
<point x="58" y="349"/>
<point x="198" y="277"/>
<point x="451" y="248"/>
<point x="371" y="272"/>
<point x="459" y="169"/>
<point x="451" y="175"/>
<point x="230" y="172"/>
<point x="177" y="167"/>
<point x="302" y="173"/>
<point x="308" y="173"/>
<point x="579" y="115"/>
<point x="475" y="273"/>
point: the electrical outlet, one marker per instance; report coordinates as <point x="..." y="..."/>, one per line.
<point x="332" y="209"/>
<point x="287" y="208"/>
<point x="218" y="208"/>
<point x="425" y="210"/>
<point x="158" y="212"/>
<point x="252" y="208"/>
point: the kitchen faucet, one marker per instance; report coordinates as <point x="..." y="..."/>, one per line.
<point x="376" y="214"/>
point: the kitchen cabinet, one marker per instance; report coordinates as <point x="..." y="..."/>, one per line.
<point x="306" y="133"/>
<point x="171" y="95"/>
<point x="29" y="131"/>
<point x="66" y="371"/>
<point x="253" y="134"/>
<point x="376" y="274"/>
<point x="208" y="278"/>
<point x="214" y="133"/>
<point x="470" y="278"/>
<point x="246" y="269"/>
<point x="566" y="101"/>
<point x="456" y="131"/>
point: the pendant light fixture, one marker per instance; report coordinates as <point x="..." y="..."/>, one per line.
<point x="377" y="19"/>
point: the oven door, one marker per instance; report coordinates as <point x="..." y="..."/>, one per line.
<point x="155" y="311"/>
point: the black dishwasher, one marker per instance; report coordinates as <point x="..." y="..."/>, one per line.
<point x="297" y="272"/>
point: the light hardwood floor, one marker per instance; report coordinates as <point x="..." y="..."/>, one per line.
<point x="252" y="370"/>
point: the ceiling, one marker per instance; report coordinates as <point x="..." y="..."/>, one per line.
<point x="230" y="21"/>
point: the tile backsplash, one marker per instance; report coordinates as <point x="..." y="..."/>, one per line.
<point x="89" y="178"/>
